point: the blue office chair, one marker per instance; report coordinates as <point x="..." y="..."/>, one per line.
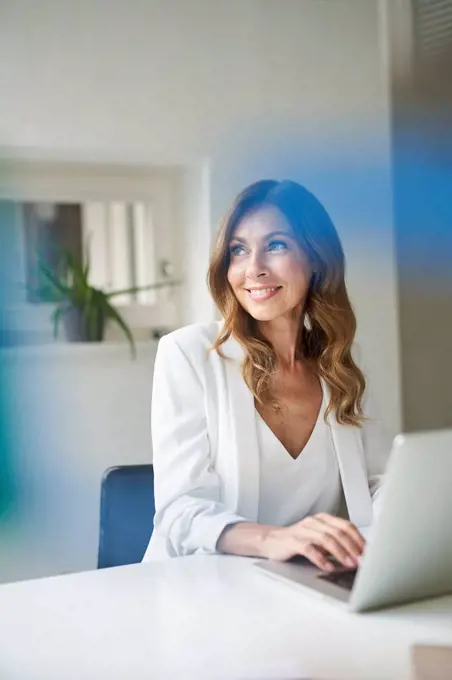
<point x="126" y="514"/>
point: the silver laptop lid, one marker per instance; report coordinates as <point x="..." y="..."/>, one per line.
<point x="409" y="553"/>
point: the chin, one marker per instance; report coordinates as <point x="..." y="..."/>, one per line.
<point x="263" y="317"/>
<point x="262" y="314"/>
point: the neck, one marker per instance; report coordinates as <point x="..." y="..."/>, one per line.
<point x="282" y="333"/>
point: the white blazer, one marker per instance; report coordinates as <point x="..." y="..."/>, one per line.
<point x="205" y="451"/>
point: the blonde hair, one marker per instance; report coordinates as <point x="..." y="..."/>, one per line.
<point x="326" y="341"/>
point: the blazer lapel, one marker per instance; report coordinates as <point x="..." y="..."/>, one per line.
<point x="350" y="455"/>
<point x="346" y="439"/>
<point x="243" y="430"/>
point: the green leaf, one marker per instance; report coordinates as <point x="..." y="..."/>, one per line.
<point x="86" y="249"/>
<point x="80" y="284"/>
<point x="45" y="293"/>
<point x="56" y="315"/>
<point x="114" y="314"/>
<point x="54" y="280"/>
<point x="136" y="289"/>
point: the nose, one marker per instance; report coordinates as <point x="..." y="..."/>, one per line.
<point x="257" y="267"/>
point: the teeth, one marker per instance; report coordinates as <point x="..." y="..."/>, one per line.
<point x="262" y="292"/>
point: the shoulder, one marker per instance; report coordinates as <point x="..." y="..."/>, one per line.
<point x="193" y="341"/>
<point x="194" y="336"/>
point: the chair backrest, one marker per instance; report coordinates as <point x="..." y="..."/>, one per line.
<point x="126" y="514"/>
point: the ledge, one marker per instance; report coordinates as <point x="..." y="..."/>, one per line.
<point x="78" y="350"/>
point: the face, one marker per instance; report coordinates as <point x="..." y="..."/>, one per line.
<point x="268" y="272"/>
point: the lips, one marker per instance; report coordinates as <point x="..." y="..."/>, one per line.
<point x="261" y="294"/>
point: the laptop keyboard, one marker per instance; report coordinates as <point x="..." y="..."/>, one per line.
<point x="342" y="578"/>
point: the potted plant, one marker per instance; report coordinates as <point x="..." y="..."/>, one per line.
<point x="83" y="308"/>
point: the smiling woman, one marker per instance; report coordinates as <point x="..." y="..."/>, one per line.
<point x="267" y="264"/>
<point x="278" y="236"/>
<point x="261" y="423"/>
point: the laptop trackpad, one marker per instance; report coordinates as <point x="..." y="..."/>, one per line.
<point x="344" y="578"/>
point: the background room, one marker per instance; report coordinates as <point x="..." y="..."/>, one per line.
<point x="130" y="127"/>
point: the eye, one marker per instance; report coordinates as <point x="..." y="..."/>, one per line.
<point x="236" y="250"/>
<point x="277" y="245"/>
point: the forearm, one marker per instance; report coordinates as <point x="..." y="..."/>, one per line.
<point x="191" y="524"/>
<point x="245" y="538"/>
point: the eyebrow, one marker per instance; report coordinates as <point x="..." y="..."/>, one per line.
<point x="267" y="238"/>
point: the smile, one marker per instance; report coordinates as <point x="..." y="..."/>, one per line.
<point x="260" y="294"/>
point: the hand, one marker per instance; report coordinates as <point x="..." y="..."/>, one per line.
<point x="316" y="537"/>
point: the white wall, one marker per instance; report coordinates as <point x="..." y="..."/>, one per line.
<point x="239" y="90"/>
<point x="77" y="410"/>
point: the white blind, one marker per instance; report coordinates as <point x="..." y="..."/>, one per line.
<point x="121" y="244"/>
<point x="432" y="30"/>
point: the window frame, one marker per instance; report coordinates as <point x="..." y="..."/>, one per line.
<point x="23" y="181"/>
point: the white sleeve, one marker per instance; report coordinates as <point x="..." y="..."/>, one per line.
<point x="377" y="448"/>
<point x="188" y="512"/>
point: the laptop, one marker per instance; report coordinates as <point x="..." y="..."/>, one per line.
<point x="408" y="553"/>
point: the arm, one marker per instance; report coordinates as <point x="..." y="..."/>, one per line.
<point x="316" y="537"/>
<point x="246" y="538"/>
<point x="188" y="512"/>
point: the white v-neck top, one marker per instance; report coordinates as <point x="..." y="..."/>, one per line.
<point x="292" y="489"/>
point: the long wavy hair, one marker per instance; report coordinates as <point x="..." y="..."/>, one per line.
<point x="328" y="325"/>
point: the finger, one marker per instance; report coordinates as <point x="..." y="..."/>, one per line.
<point x="344" y="531"/>
<point x="345" y="524"/>
<point x="349" y="528"/>
<point x="346" y="543"/>
<point x="311" y="530"/>
<point x="329" y="542"/>
<point x="317" y="557"/>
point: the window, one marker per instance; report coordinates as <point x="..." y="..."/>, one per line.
<point x="116" y="238"/>
<point x="123" y="220"/>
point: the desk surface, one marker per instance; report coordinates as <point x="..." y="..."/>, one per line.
<point x="201" y="617"/>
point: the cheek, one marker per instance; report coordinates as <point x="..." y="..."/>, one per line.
<point x="296" y="275"/>
<point x="235" y="275"/>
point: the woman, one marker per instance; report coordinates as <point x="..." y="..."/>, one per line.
<point x="260" y="423"/>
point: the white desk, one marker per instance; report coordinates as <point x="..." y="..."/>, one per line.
<point x="200" y="617"/>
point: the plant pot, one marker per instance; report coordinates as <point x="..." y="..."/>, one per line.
<point x="82" y="327"/>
